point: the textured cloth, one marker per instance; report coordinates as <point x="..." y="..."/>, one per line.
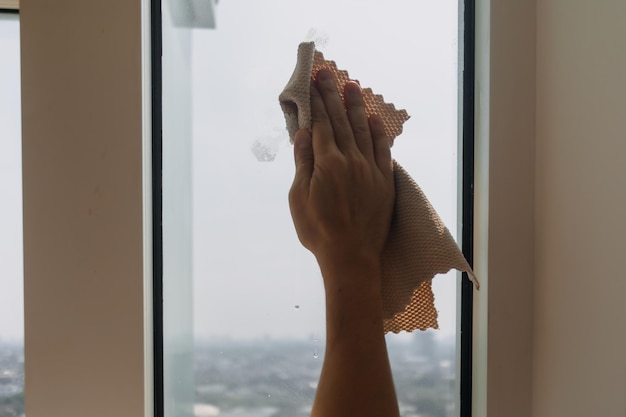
<point x="419" y="245"/>
<point x="295" y="99"/>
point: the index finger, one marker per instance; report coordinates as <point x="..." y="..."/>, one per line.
<point x="321" y="126"/>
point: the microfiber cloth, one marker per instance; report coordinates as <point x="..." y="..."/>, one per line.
<point x="419" y="245"/>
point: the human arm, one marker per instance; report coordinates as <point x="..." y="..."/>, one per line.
<point x="341" y="202"/>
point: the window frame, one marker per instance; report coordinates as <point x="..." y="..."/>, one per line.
<point x="9" y="6"/>
<point x="504" y="154"/>
<point x="466" y="217"/>
<point x="466" y="162"/>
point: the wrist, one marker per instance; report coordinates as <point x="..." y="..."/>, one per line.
<point x="351" y="273"/>
<point x="353" y="294"/>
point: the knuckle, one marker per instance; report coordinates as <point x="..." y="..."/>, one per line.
<point x="327" y="85"/>
<point x="341" y="121"/>
<point x="381" y="136"/>
<point x="336" y="160"/>
<point x="355" y="102"/>
<point x="360" y="129"/>
<point x="319" y="117"/>
<point x="359" y="167"/>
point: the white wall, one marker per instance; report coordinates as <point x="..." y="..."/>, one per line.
<point x="580" y="280"/>
<point x="86" y="339"/>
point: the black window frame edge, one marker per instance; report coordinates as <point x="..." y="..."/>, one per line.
<point x="467" y="204"/>
<point x="156" y="45"/>
<point x="467" y="207"/>
<point x="9" y="11"/>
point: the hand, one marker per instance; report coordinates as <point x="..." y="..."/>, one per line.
<point x="343" y="193"/>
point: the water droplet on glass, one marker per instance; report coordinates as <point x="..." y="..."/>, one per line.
<point x="315" y="352"/>
<point x="269" y="395"/>
<point x="296" y="306"/>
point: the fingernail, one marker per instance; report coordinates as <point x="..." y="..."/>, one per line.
<point x="353" y="90"/>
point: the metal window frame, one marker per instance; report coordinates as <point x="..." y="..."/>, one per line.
<point x="467" y="202"/>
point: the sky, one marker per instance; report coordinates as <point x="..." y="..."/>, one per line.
<point x="251" y="277"/>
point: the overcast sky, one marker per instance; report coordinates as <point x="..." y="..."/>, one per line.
<point x="250" y="272"/>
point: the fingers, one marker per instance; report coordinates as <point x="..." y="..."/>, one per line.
<point x="335" y="112"/>
<point x="355" y="109"/>
<point x="303" y="155"/>
<point x="381" y="146"/>
<point x="343" y="125"/>
<point x="322" y="129"/>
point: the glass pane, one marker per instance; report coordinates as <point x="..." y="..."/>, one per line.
<point x="256" y="294"/>
<point x="177" y="260"/>
<point x="11" y="276"/>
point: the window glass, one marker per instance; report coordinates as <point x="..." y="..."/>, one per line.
<point x="254" y="295"/>
<point x="11" y="273"/>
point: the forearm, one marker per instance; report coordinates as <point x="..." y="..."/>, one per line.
<point x="356" y="377"/>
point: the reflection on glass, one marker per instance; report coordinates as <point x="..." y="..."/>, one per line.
<point x="11" y="274"/>
<point x="257" y="296"/>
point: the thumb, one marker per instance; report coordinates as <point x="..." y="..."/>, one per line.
<point x="303" y="154"/>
